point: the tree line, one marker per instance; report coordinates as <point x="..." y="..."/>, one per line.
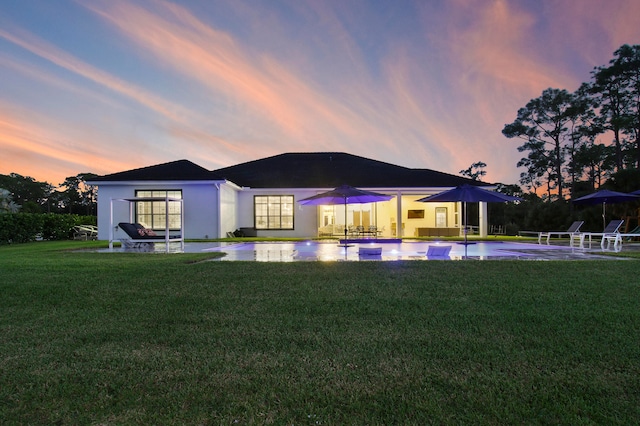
<point x="23" y="194"/>
<point x="575" y="142"/>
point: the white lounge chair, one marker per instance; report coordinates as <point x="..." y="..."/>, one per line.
<point x="618" y="237"/>
<point x="438" y="252"/>
<point x="370" y="251"/>
<point x="571" y="232"/>
<point x="85" y="232"/>
<point x="610" y="232"/>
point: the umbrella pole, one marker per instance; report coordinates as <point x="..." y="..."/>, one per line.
<point x="466" y="220"/>
<point x="346" y="243"/>
<point x="604" y="215"/>
<point x="345" y="221"/>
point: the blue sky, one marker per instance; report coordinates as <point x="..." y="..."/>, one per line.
<point x="108" y="85"/>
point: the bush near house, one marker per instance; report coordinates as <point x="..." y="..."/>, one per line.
<point x="25" y="227"/>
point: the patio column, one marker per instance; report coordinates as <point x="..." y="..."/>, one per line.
<point x="399" y="215"/>
<point x="482" y="219"/>
<point x="219" y="213"/>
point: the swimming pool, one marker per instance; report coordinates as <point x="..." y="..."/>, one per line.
<point x="331" y="251"/>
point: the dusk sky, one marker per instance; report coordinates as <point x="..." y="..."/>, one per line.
<point x="104" y="86"/>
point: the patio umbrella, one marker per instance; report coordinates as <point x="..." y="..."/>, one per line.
<point x="469" y="194"/>
<point x="345" y="194"/>
<point x="605" y="196"/>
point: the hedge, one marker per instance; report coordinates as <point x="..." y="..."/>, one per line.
<point x="25" y="227"/>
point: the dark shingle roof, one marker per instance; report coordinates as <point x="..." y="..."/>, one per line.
<point x="175" y="170"/>
<point x="299" y="170"/>
<point x="332" y="169"/>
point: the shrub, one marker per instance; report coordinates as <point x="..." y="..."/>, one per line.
<point x="25" y="227"/>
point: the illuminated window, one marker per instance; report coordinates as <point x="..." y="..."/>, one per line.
<point x="273" y="211"/>
<point x="153" y="214"/>
<point x="441" y="217"/>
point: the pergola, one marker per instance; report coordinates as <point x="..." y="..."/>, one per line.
<point x="167" y="238"/>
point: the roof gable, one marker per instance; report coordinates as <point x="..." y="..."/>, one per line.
<point x="332" y="169"/>
<point x="174" y="170"/>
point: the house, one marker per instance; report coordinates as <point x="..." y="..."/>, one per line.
<point x="261" y="197"/>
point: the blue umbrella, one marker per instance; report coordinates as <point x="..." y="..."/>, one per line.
<point x="469" y="194"/>
<point x="345" y="194"/>
<point x="605" y="196"/>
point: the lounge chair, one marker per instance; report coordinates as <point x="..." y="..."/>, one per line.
<point x="608" y="235"/>
<point x="141" y="237"/>
<point x="618" y="237"/>
<point x="631" y="235"/>
<point x="85" y="232"/>
<point x="370" y="251"/>
<point x="571" y="232"/>
<point x="438" y="252"/>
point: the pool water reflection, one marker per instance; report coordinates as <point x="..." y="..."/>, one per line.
<point x="331" y="251"/>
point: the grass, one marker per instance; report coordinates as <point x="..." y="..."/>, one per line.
<point x="95" y="338"/>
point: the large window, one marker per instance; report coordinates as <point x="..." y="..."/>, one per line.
<point x="153" y="214"/>
<point x="273" y="211"/>
<point x="441" y="217"/>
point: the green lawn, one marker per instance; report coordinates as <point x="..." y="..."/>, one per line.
<point x="119" y="338"/>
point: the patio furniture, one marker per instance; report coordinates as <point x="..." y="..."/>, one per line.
<point x="85" y="232"/>
<point x="370" y="251"/>
<point x="143" y="238"/>
<point x="437" y="232"/>
<point x="571" y="232"/>
<point x="618" y="237"/>
<point x="146" y="242"/>
<point x="609" y="233"/>
<point x="497" y="230"/>
<point x="438" y="252"/>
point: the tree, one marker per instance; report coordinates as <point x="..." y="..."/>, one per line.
<point x="616" y="89"/>
<point x="596" y="161"/>
<point x="78" y="197"/>
<point x="628" y="64"/>
<point x="35" y="197"/>
<point x="475" y="171"/>
<point x="548" y="125"/>
<point x="509" y="189"/>
<point x="582" y="130"/>
<point x="25" y="189"/>
<point x="7" y="205"/>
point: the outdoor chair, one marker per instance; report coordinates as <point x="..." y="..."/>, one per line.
<point x="370" y="251"/>
<point x="438" y="252"/>
<point x="85" y="232"/>
<point x="618" y="237"/>
<point x="141" y="237"/>
<point x="497" y="230"/>
<point x="609" y="235"/>
<point x="633" y="234"/>
<point x="572" y="232"/>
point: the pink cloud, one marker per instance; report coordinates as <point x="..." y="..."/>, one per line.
<point x="39" y="148"/>
<point x="267" y="89"/>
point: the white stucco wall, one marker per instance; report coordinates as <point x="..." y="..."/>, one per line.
<point x="200" y="210"/>
<point x="305" y="217"/>
<point x="200" y="206"/>
<point x="213" y="208"/>
<point x="228" y="209"/>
